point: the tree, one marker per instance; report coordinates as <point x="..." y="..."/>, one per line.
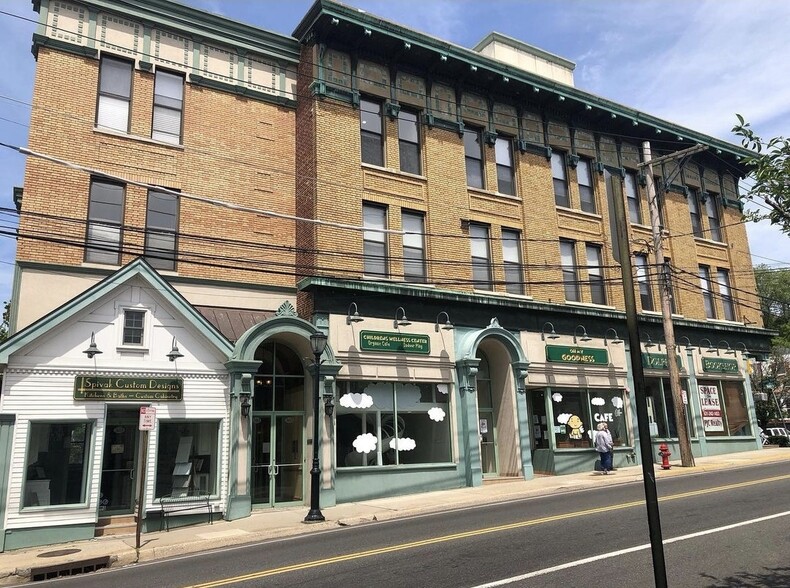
<point x="4" y="324"/>
<point x="773" y="287"/>
<point x="769" y="168"/>
<point x="771" y="378"/>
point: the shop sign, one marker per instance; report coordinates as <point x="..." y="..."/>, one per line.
<point x="574" y="354"/>
<point x="711" y="408"/>
<point x="721" y="365"/>
<point x="118" y="388"/>
<point x="658" y="361"/>
<point x="394" y="342"/>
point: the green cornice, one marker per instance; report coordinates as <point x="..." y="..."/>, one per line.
<point x="241" y="90"/>
<point x="44" y="41"/>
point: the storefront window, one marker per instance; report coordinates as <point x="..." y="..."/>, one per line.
<point x="578" y="412"/>
<point x="661" y="408"/>
<point x="57" y="463"/>
<point x="385" y="423"/>
<point x="724" y="411"/>
<point x="187" y="458"/>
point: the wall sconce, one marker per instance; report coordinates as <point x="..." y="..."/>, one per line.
<point x="245" y="405"/>
<point x="729" y="351"/>
<point x="92" y="350"/>
<point x="447" y="326"/>
<point x="402" y="321"/>
<point x="329" y="406"/>
<point x="650" y="344"/>
<point x="616" y="341"/>
<point x="353" y="318"/>
<point x="745" y="351"/>
<point x="689" y="346"/>
<point x="584" y="338"/>
<point x="710" y="348"/>
<point x="550" y="335"/>
<point x="174" y="352"/>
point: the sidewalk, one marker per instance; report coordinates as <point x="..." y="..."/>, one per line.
<point x="15" y="566"/>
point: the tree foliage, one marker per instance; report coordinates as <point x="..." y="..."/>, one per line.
<point x="769" y="169"/>
<point x="772" y="378"/>
<point x="773" y="287"/>
<point x="4" y="324"/>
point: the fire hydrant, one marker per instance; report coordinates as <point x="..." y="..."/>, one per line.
<point x="664" y="452"/>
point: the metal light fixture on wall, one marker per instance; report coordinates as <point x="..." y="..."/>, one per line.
<point x="650" y="344"/>
<point x="174" y="353"/>
<point x="402" y="321"/>
<point x="689" y="346"/>
<point x="550" y="335"/>
<point x="616" y="341"/>
<point x="745" y="351"/>
<point x="447" y="326"/>
<point x="92" y="349"/>
<point x="710" y="348"/>
<point x="584" y="336"/>
<point x="329" y="406"/>
<point x="728" y="351"/>
<point x="245" y="405"/>
<point x="353" y="318"/>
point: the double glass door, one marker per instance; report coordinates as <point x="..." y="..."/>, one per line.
<point x="119" y="464"/>
<point x="277" y="464"/>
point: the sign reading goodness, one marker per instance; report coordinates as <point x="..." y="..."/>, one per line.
<point x="574" y="354"/>
<point x="120" y="388"/>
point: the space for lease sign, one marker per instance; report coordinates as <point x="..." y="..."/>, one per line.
<point x="711" y="408"/>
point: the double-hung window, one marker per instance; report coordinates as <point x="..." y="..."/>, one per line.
<point x="161" y="228"/>
<point x="372" y="132"/>
<point x="585" y="179"/>
<point x="570" y="272"/>
<point x="473" y="153"/>
<point x="374" y="240"/>
<point x="168" y="107"/>
<point x="409" y="142"/>
<point x="504" y="166"/>
<point x="723" y="277"/>
<point x="560" y="176"/>
<point x="696" y="220"/>
<point x="643" y="280"/>
<point x="115" y="94"/>
<point x="595" y="274"/>
<point x="714" y="222"/>
<point x="632" y="193"/>
<point x="133" y="327"/>
<point x="481" y="257"/>
<point x="511" y="257"/>
<point x="105" y="217"/>
<point x="707" y="293"/>
<point x="414" y="247"/>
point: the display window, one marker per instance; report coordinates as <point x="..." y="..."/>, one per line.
<point x="577" y="413"/>
<point x="724" y="409"/>
<point x="661" y="408"/>
<point x="187" y="458"/>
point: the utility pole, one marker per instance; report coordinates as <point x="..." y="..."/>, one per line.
<point x="686" y="456"/>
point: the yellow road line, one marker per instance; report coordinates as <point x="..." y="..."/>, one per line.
<point x="473" y="533"/>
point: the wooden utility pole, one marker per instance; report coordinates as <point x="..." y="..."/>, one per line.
<point x="686" y="456"/>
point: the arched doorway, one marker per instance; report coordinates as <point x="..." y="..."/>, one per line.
<point x="278" y="419"/>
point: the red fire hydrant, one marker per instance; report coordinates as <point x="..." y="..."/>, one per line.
<point x="664" y="452"/>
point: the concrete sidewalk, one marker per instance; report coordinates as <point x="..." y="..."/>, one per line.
<point x="16" y="566"/>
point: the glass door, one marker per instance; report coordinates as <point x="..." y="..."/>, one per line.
<point x="119" y="463"/>
<point x="486" y="420"/>
<point x="540" y="428"/>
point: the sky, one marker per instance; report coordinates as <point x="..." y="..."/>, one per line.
<point x="696" y="64"/>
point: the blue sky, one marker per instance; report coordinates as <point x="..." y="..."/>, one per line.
<point x="692" y="63"/>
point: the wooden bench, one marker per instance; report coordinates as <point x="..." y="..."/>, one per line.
<point x="171" y="505"/>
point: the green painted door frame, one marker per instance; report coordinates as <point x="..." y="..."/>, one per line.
<point x="6" y="436"/>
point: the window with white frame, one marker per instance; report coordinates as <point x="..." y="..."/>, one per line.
<point x="372" y="132"/>
<point x="374" y="240"/>
<point x="634" y="202"/>
<point x="473" y="154"/>
<point x="115" y="94"/>
<point x="595" y="274"/>
<point x="570" y="271"/>
<point x="707" y="291"/>
<point x="105" y="218"/>
<point x="409" y="141"/>
<point x="161" y="229"/>
<point x="714" y="222"/>
<point x="511" y="257"/>
<point x="414" y="246"/>
<point x="725" y="293"/>
<point x="504" y="166"/>
<point x="584" y="177"/>
<point x="168" y="107"/>
<point x="481" y="256"/>
<point x="559" y="174"/>
<point x="133" y="327"/>
<point x="643" y="280"/>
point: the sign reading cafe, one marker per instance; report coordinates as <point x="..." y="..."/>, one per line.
<point x="120" y="388"/>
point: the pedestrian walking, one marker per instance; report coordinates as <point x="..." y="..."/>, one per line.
<point x="604" y="446"/>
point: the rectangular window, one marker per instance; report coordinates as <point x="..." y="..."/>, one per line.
<point x="560" y="175"/>
<point x="133" y="327"/>
<point x="585" y="178"/>
<point x="481" y="257"/>
<point x="168" y="107"/>
<point x="374" y="240"/>
<point x="578" y="412"/>
<point x="372" y="132"/>
<point x="115" y="94"/>
<point x="161" y="228"/>
<point x="714" y="222"/>
<point x="405" y="424"/>
<point x="724" y="409"/>
<point x="511" y="256"/>
<point x="105" y="217"/>
<point x="707" y="291"/>
<point x="632" y="193"/>
<point x="473" y="152"/>
<point x="696" y="221"/>
<point x="570" y="272"/>
<point x="643" y="280"/>
<point x="56" y="465"/>
<point x="725" y="292"/>
<point x="504" y="166"/>
<point x="414" y="247"/>
<point x="595" y="274"/>
<point x="661" y="408"/>
<point x="187" y="458"/>
<point x="409" y="142"/>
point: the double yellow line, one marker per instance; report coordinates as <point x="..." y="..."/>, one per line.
<point x="467" y="534"/>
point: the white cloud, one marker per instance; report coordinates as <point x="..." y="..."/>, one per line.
<point x="356" y="400"/>
<point x="365" y="443"/>
<point x="403" y="444"/>
<point x="563" y="417"/>
<point x="617" y="402"/>
<point x="597" y="401"/>
<point x="556" y="397"/>
<point x="436" y="414"/>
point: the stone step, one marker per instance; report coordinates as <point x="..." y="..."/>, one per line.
<point x="116" y="525"/>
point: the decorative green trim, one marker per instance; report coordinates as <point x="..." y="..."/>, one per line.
<point x="392" y="109"/>
<point x="431" y="120"/>
<point x="58" y="45"/>
<point x="241" y="90"/>
<point x="526" y="147"/>
<point x="6" y="438"/>
<point x="490" y="137"/>
<point x="48" y="535"/>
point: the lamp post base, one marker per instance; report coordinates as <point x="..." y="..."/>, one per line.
<point x="314" y="516"/>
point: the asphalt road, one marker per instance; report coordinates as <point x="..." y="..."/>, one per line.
<point x="723" y="528"/>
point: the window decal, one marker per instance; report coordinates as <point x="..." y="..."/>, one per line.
<point x="365" y="443"/>
<point x="402" y="444"/>
<point x="556" y="397"/>
<point x="356" y="400"/>
<point x="436" y="414"/>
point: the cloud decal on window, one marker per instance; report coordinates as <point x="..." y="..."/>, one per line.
<point x="597" y="401"/>
<point x="356" y="400"/>
<point x="403" y="444"/>
<point x="563" y="418"/>
<point x="442" y="388"/>
<point x="556" y="397"/>
<point x="617" y="402"/>
<point x="365" y="443"/>
<point x="436" y="414"/>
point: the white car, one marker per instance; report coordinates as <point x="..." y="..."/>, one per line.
<point x="777" y="432"/>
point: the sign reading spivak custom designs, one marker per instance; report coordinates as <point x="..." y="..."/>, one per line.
<point x="574" y="354"/>
<point x="394" y="342"/>
<point x="121" y="388"/>
<point x="721" y="365"/>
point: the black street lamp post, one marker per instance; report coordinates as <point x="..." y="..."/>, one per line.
<point x="318" y="344"/>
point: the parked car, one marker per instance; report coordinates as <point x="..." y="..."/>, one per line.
<point x="777" y="432"/>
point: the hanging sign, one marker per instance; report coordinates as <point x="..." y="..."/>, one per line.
<point x="719" y="364"/>
<point x="711" y="408"/>
<point x="394" y="342"/>
<point x="118" y="388"/>
<point x="574" y="354"/>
